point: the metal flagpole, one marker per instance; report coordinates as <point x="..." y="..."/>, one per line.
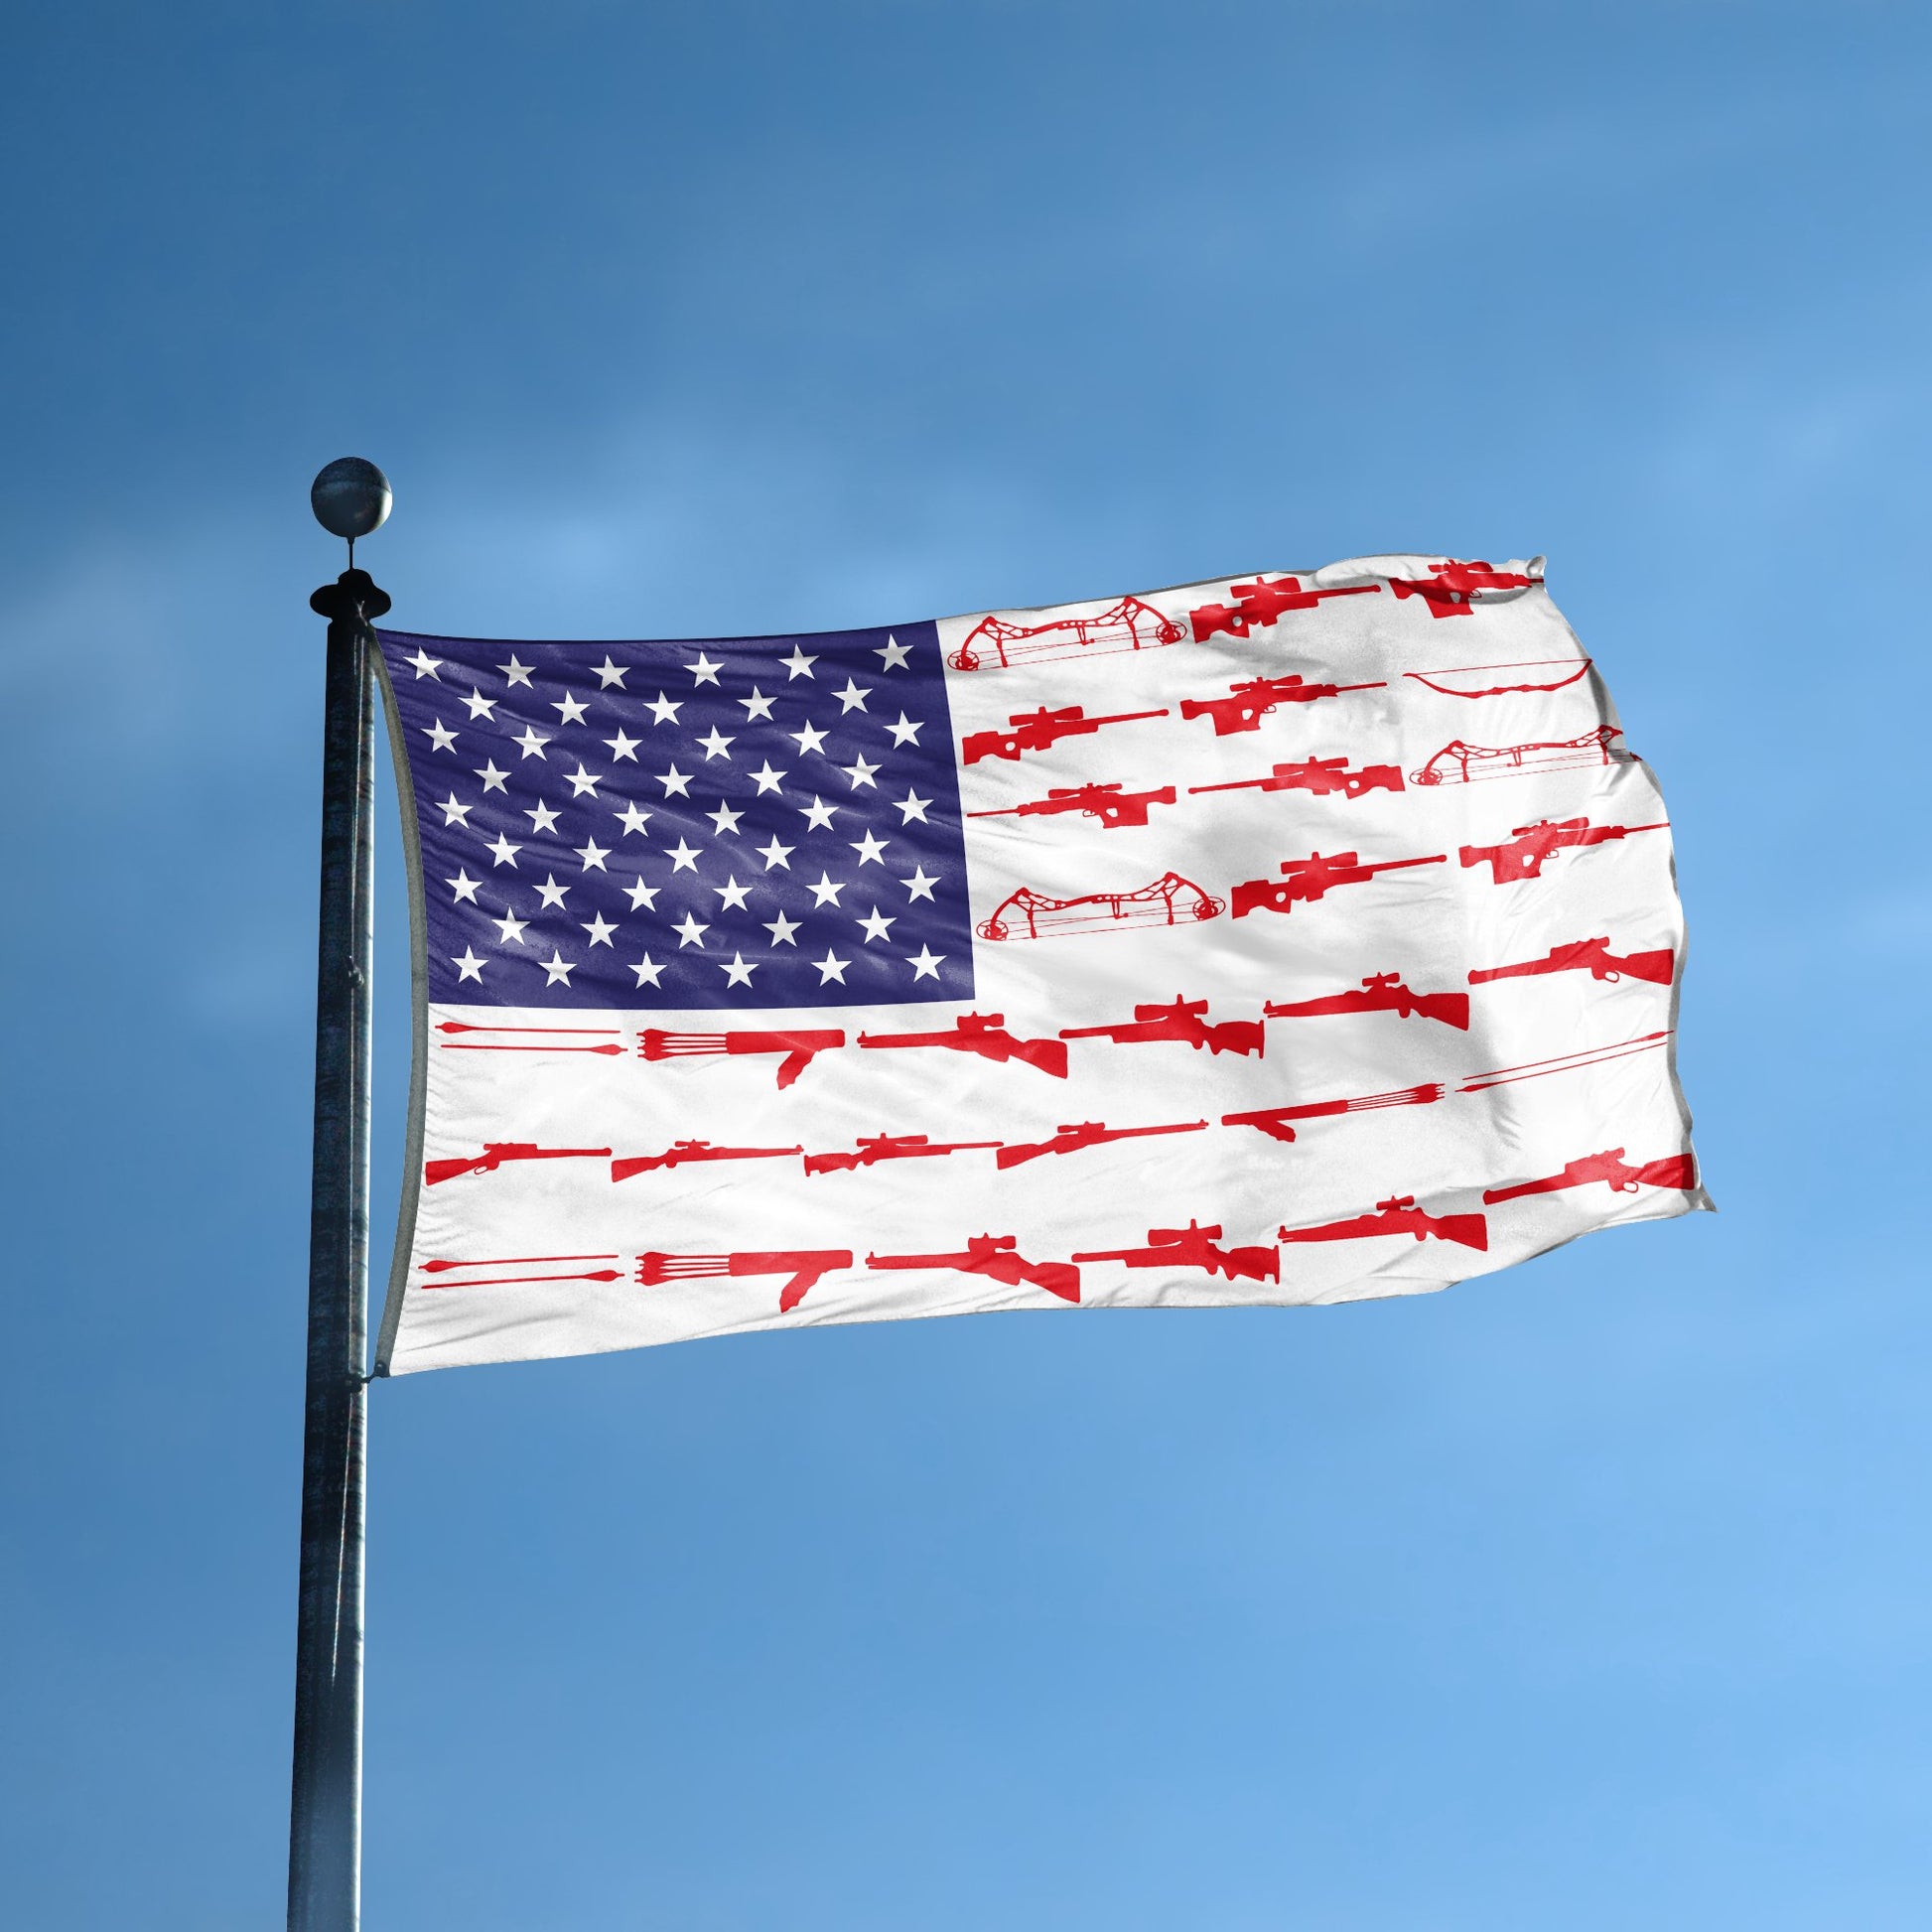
<point x="350" y="498"/>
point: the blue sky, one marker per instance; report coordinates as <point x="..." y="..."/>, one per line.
<point x="1588" y="1595"/>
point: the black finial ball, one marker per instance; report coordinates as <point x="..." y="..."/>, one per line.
<point x="351" y="497"/>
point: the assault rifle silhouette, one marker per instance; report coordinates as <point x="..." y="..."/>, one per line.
<point x="1087" y="1133"/>
<point x="995" y="1255"/>
<point x="1273" y="1120"/>
<point x="1112" y="806"/>
<point x="1182" y="1020"/>
<point x="798" y="1048"/>
<point x="1040" y="730"/>
<point x="1310" y="879"/>
<point x="1251" y="700"/>
<point x="806" y="1266"/>
<point x="1673" y="1170"/>
<point x="680" y="1151"/>
<point x="1400" y="1216"/>
<point x="1522" y="857"/>
<point x="1591" y="956"/>
<point x="1381" y="993"/>
<point x="874" y="1148"/>
<point x="1323" y="776"/>
<point x="1259" y="603"/>
<point x="1194" y="1247"/>
<point x="496" y="1153"/>
<point x="983" y="1033"/>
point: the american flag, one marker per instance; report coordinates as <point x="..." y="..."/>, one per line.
<point x="1286" y="938"/>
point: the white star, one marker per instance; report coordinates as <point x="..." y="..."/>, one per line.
<point x="550" y="893"/>
<point x="811" y="739"/>
<point x="469" y="967"/>
<point x="732" y="895"/>
<point x="441" y="736"/>
<point x="818" y="815"/>
<point x="869" y="849"/>
<point x="876" y="925"/>
<point x="704" y="672"/>
<point x="480" y="706"/>
<point x="570" y="711"/>
<point x="556" y="969"/>
<point x="664" y="711"/>
<point x="608" y="673"/>
<point x="592" y="855"/>
<point x="675" y="782"/>
<point x="623" y="747"/>
<point x="738" y="972"/>
<point x="926" y="963"/>
<point x="905" y="732"/>
<point x="797" y="664"/>
<point x="826" y="892"/>
<point x="765" y="778"/>
<point x="684" y="858"/>
<point x="782" y="929"/>
<point x="511" y="928"/>
<point x="463" y="885"/>
<point x="911" y="806"/>
<point x="516" y="673"/>
<point x="716" y="743"/>
<point x="757" y="705"/>
<point x="853" y="697"/>
<point x="493" y="776"/>
<point x="599" y="928"/>
<point x="690" y="933"/>
<point x="542" y="817"/>
<point x="859" y="774"/>
<point x="831" y="967"/>
<point x="775" y="854"/>
<point x="454" y="811"/>
<point x="894" y="654"/>
<point x="581" y="781"/>
<point x="532" y="743"/>
<point x="647" y="971"/>
<point x="643" y="896"/>
<point x="505" y="850"/>
<point x="725" y="819"/>
<point x="426" y="665"/>
<point x="634" y="817"/>
<point x="920" y="885"/>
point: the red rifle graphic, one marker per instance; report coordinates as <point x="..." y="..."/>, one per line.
<point x="996" y="1256"/>
<point x="681" y="1152"/>
<point x="1400" y="1216"/>
<point x="1040" y="730"/>
<point x="1381" y="993"/>
<point x="1258" y="605"/>
<point x="806" y="1266"/>
<point x="983" y="1033"/>
<point x="517" y="1261"/>
<point x="1451" y="588"/>
<point x="496" y="1153"/>
<point x="1194" y="1247"/>
<point x="1128" y="625"/>
<point x="1312" y="878"/>
<point x="493" y="1046"/>
<point x="1560" y="671"/>
<point x="1253" y="698"/>
<point x="1182" y="1020"/>
<point x="1273" y="1120"/>
<point x="1112" y="806"/>
<point x="1522" y="857"/>
<point x="798" y="1048"/>
<point x="1323" y="776"/>
<point x="1087" y="1133"/>
<point x="1169" y="900"/>
<point x="1591" y="956"/>
<point x="1461" y="763"/>
<point x="874" y="1148"/>
<point x="1677" y="1171"/>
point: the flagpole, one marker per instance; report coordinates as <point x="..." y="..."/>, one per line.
<point x="350" y="498"/>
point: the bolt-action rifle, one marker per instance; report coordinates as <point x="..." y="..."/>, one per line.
<point x="1380" y="993"/>
<point x="1040" y="730"/>
<point x="874" y="1148"/>
<point x="1253" y="698"/>
<point x="798" y="1048"/>
<point x="1323" y="776"/>
<point x="496" y="1153"/>
<point x="1451" y="588"/>
<point x="1084" y="1134"/>
<point x="995" y="1255"/>
<point x="1182" y="1020"/>
<point x="1310" y="879"/>
<point x="805" y="1267"/>
<point x="1259" y="603"/>
<point x="1194" y="1247"/>
<point x="681" y="1152"/>
<point x="1673" y="1170"/>
<point x="1400" y="1216"/>
<point x="1592" y="956"/>
<point x="1112" y="806"/>
<point x="1273" y="1120"/>
<point x="1522" y="856"/>
<point x="983" y="1033"/>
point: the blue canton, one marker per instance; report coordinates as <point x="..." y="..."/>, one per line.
<point x="739" y="823"/>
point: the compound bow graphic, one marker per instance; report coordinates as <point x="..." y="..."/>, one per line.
<point x="1128" y="625"/>
<point x="1168" y="901"/>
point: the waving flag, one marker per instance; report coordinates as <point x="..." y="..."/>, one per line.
<point x="1286" y="939"/>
